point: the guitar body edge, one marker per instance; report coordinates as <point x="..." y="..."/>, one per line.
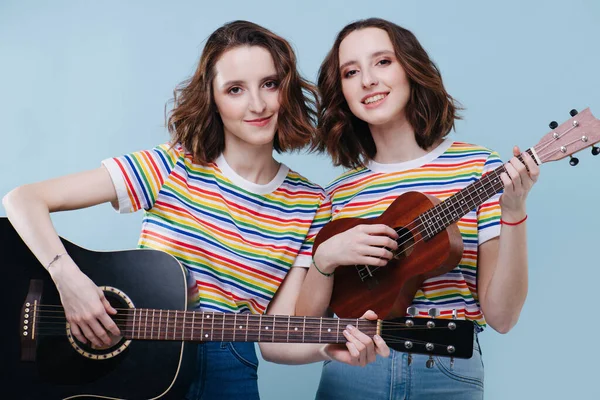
<point x="143" y="370"/>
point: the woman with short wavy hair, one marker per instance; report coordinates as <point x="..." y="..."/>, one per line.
<point x="216" y="199"/>
<point x="385" y="115"/>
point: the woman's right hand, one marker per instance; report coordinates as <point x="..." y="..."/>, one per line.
<point x="84" y="303"/>
<point x="361" y="245"/>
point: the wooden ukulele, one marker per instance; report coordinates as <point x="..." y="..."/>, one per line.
<point x="156" y="356"/>
<point x="430" y="243"/>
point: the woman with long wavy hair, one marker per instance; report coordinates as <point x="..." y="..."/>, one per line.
<point x="385" y="115"/>
<point x="216" y="199"/>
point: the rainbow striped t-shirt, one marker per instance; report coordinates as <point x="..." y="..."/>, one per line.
<point x="238" y="239"/>
<point x="367" y="192"/>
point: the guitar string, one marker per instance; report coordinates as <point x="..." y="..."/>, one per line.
<point x="388" y="339"/>
<point x="271" y="336"/>
<point x="135" y="315"/>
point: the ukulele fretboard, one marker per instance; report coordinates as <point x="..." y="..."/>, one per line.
<point x="438" y="218"/>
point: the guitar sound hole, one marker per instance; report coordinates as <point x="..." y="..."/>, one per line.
<point x="118" y="344"/>
<point x="406" y="242"/>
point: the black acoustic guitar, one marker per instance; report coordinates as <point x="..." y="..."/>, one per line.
<point x="155" y="358"/>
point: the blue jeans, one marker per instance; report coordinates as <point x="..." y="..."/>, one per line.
<point x="226" y="371"/>
<point x="393" y="379"/>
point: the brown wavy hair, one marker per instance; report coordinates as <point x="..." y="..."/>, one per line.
<point x="430" y="110"/>
<point x="194" y="121"/>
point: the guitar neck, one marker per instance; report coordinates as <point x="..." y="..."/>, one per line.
<point x="449" y="211"/>
<point x="151" y="324"/>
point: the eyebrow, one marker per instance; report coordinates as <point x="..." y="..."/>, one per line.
<point x="273" y="77"/>
<point x="376" y="54"/>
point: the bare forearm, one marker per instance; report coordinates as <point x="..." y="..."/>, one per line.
<point x="293" y="353"/>
<point x="315" y="294"/>
<point x="28" y="208"/>
<point x="507" y="290"/>
<point x="31" y="219"/>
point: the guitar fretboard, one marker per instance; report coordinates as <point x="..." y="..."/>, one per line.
<point x="150" y="324"/>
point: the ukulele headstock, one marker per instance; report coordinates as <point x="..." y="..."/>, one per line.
<point x="582" y="130"/>
<point x="429" y="336"/>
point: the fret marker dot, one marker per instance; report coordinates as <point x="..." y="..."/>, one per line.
<point x="206" y="335"/>
<point x="329" y="330"/>
<point x="267" y="328"/>
<point x="240" y="327"/>
<point x="208" y="316"/>
<point x="295" y="329"/>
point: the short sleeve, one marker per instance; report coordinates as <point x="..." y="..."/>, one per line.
<point x="488" y="214"/>
<point x="138" y="177"/>
<point x="322" y="217"/>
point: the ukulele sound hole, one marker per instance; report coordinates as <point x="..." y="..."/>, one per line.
<point x="406" y="243"/>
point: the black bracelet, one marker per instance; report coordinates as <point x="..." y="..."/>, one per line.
<point x="321" y="272"/>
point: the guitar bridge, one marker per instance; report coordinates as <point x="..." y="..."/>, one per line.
<point x="29" y="317"/>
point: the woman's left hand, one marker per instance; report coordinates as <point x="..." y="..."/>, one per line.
<point x="517" y="184"/>
<point x="360" y="349"/>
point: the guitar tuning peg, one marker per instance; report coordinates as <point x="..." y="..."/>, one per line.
<point x="433" y="312"/>
<point x="430" y="363"/>
<point x="452" y="324"/>
<point x="412" y="311"/>
<point x="573" y="112"/>
<point x="595" y="150"/>
<point x="451" y="349"/>
<point x="573" y="161"/>
<point x="553" y="125"/>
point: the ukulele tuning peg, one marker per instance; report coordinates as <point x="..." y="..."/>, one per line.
<point x="573" y="112"/>
<point x="553" y="125"/>
<point x="595" y="150"/>
<point x="573" y="161"/>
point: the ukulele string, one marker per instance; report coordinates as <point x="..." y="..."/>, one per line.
<point x="410" y="233"/>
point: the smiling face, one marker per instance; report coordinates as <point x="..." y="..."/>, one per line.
<point x="374" y="83"/>
<point x="246" y="93"/>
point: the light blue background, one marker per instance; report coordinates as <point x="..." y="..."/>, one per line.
<point x="81" y="81"/>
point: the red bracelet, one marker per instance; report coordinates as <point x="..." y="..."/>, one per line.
<point x="503" y="222"/>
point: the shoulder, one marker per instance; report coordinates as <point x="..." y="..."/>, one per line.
<point x="346" y="180"/>
<point x="170" y="152"/>
<point x="302" y="185"/>
<point x="463" y="149"/>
